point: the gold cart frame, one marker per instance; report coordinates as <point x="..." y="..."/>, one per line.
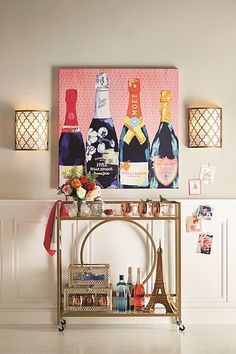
<point x="134" y="220"/>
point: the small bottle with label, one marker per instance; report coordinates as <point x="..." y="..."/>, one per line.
<point x="121" y="295"/>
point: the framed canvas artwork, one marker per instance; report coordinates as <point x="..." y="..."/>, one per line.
<point x="120" y="124"/>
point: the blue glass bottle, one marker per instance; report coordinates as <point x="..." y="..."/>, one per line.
<point x="121" y="295"/>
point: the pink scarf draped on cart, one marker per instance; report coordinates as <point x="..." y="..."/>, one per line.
<point x="49" y="242"/>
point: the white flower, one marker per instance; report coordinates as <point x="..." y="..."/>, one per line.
<point x="89" y="152"/>
<point x="92" y="136"/>
<point x="81" y="192"/>
<point x="112" y="143"/>
<point x="101" y="148"/>
<point x="102" y="132"/>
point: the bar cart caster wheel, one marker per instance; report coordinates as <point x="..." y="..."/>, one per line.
<point x="63" y="322"/>
<point x="181" y="327"/>
<point x="60" y="327"/>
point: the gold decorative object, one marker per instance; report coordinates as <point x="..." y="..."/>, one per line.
<point x="205" y="127"/>
<point x="131" y="222"/>
<point x="159" y="293"/>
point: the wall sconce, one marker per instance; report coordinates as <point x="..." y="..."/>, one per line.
<point x="205" y="127"/>
<point x="31" y="130"/>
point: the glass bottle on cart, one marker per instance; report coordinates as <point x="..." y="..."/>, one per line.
<point x="71" y="145"/>
<point x="165" y="149"/>
<point x="130" y="291"/>
<point x="139" y="293"/>
<point x="134" y="150"/>
<point x="121" y="295"/>
<point x="102" y="143"/>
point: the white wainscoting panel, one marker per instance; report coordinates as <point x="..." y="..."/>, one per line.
<point x="28" y="273"/>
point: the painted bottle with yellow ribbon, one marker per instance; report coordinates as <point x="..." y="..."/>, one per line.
<point x="164" y="161"/>
<point x="134" y="148"/>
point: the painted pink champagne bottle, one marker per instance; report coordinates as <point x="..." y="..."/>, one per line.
<point x="102" y="143"/>
<point x="71" y="145"/>
<point x="134" y="150"/>
<point x="164" y="160"/>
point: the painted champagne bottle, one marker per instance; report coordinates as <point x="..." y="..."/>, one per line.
<point x="102" y="143"/>
<point x="165" y="149"/>
<point x="134" y="151"/>
<point x="71" y="145"/>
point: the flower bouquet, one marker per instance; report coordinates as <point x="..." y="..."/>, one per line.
<point x="79" y="187"/>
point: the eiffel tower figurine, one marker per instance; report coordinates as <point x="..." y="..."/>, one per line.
<point x="159" y="294"/>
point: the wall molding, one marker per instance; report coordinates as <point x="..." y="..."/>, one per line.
<point x="22" y="227"/>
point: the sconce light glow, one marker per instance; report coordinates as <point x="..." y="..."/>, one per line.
<point x="205" y="127"/>
<point x="31" y="130"/>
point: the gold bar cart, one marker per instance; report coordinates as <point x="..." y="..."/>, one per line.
<point x="175" y="298"/>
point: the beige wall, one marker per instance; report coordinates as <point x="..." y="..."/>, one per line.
<point x="37" y="37"/>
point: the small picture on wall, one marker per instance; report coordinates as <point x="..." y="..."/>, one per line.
<point x="205" y="212"/>
<point x="194" y="186"/>
<point x="204" y="243"/>
<point x="207" y="174"/>
<point x="193" y="224"/>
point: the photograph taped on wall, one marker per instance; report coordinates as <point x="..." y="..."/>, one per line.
<point x="121" y="124"/>
<point x="205" y="212"/>
<point x="204" y="243"/>
<point x="193" y="224"/>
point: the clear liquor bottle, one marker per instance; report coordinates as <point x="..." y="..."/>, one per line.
<point x="134" y="150"/>
<point x="138" y="294"/>
<point x="102" y="143"/>
<point x="164" y="159"/>
<point x="71" y="145"/>
<point x="130" y="291"/>
<point x="121" y="295"/>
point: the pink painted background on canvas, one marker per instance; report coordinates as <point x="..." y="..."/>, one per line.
<point x="152" y="81"/>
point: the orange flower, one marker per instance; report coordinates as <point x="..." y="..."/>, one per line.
<point x="76" y="183"/>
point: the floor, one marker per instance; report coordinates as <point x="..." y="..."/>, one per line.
<point x="118" y="339"/>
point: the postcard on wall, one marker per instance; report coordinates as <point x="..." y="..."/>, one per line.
<point x="193" y="224"/>
<point x="204" y="243"/>
<point x="207" y="174"/>
<point x="205" y="212"/>
<point x="120" y="124"/>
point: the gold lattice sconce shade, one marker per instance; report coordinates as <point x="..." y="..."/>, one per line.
<point x="205" y="127"/>
<point x="31" y="130"/>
